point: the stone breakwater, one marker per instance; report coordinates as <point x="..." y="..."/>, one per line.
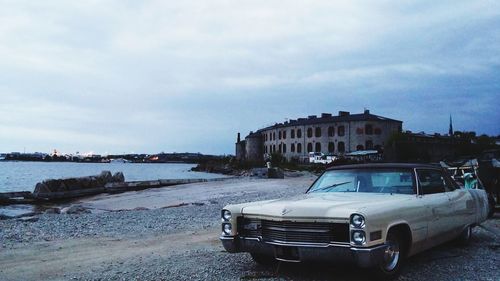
<point x="74" y="184"/>
<point x="70" y="188"/>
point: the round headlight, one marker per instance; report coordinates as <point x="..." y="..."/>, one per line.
<point x="226" y="228"/>
<point x="226" y="215"/>
<point x="358" y="237"/>
<point x="357" y="221"/>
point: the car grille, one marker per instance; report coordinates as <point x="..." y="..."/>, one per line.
<point x="298" y="232"/>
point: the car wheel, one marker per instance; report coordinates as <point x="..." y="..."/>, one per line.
<point x="390" y="264"/>
<point x="263" y="259"/>
<point x="464" y="237"/>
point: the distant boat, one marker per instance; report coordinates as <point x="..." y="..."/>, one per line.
<point x="119" y="161"/>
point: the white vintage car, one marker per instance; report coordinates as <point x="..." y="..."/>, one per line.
<point x="374" y="215"/>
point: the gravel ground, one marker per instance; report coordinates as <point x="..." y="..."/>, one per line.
<point x="181" y="243"/>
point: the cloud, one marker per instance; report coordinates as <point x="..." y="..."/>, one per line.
<point x="187" y="75"/>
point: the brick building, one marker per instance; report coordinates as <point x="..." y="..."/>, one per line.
<point x="327" y="134"/>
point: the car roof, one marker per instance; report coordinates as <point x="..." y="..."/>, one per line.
<point x="386" y="165"/>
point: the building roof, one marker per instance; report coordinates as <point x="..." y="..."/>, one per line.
<point x="329" y="118"/>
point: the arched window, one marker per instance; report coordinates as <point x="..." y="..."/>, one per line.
<point x="279" y="135"/>
<point x="284" y="148"/>
<point x="341" y="131"/>
<point x="299" y="148"/>
<point x="309" y="147"/>
<point x="299" y="133"/>
<point x="377" y="131"/>
<point x="369" y="144"/>
<point x="309" y="132"/>
<point x="274" y="148"/>
<point x="341" y="147"/>
<point x="317" y="132"/>
<point x="274" y="135"/>
<point x="331" y="131"/>
<point x="331" y="147"/>
<point x="292" y="147"/>
<point x="369" y="129"/>
<point x="284" y="134"/>
<point x="318" y="147"/>
<point x="279" y="148"/>
<point x="292" y="133"/>
<point x="360" y="147"/>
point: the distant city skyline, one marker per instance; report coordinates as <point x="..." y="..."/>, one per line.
<point x="152" y="76"/>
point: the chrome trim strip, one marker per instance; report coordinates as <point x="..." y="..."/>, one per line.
<point x="313" y="245"/>
<point x="368" y="249"/>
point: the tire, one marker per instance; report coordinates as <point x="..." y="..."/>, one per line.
<point x="464" y="238"/>
<point x="390" y="266"/>
<point x="263" y="259"/>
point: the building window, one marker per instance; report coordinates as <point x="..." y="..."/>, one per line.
<point x="317" y="132"/>
<point x="284" y="148"/>
<point x="279" y="135"/>
<point x="369" y="129"/>
<point x="341" y="131"/>
<point x="331" y="131"/>
<point x="284" y="134"/>
<point x="309" y="132"/>
<point x="369" y="144"/>
<point x="341" y="147"/>
<point x="309" y="147"/>
<point x="299" y="133"/>
<point x="331" y="147"/>
<point x="292" y="147"/>
<point x="274" y="148"/>
<point x="274" y="135"/>
<point x="360" y="147"/>
<point x="292" y="133"/>
<point x="299" y="148"/>
<point x="377" y="131"/>
<point x="359" y="131"/>
<point x="318" y="147"/>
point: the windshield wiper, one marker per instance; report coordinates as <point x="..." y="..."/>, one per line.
<point x="331" y="186"/>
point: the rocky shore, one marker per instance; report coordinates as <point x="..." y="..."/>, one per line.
<point x="172" y="234"/>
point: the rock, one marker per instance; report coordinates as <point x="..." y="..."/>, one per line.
<point x="28" y="219"/>
<point x="41" y="187"/>
<point x="118" y="177"/>
<point x="53" y="211"/>
<point x="75" y="209"/>
<point x="140" y="209"/>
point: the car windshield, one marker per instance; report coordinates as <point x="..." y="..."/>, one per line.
<point x="398" y="181"/>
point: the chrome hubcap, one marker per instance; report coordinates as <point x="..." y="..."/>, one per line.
<point x="391" y="256"/>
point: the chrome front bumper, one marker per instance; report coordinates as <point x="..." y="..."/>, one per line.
<point x="292" y="252"/>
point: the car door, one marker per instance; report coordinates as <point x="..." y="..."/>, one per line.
<point x="432" y="188"/>
<point x="464" y="208"/>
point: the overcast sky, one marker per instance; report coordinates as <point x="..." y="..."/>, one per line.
<point x="176" y="76"/>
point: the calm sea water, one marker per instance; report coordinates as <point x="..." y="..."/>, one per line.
<point x="23" y="176"/>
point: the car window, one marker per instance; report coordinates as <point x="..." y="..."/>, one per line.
<point x="370" y="180"/>
<point x="431" y="181"/>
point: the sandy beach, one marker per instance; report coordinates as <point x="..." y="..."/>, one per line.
<point x="172" y="234"/>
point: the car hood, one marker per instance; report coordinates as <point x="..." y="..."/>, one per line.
<point x="333" y="205"/>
